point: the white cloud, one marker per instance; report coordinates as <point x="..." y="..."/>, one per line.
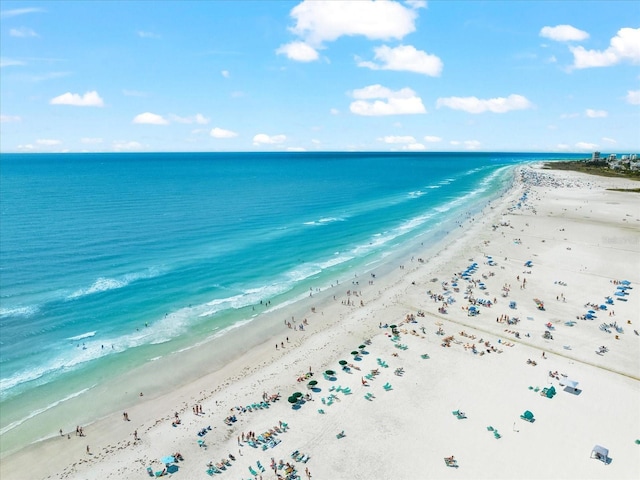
<point x="477" y="105"/>
<point x="27" y="148"/>
<point x="218" y="132"/>
<point x="326" y="21"/>
<point x="299" y="51"/>
<point x="296" y="149"/>
<point x="10" y="62"/>
<point x="197" y="118"/>
<point x="416" y="3"/>
<point x="225" y="73"/>
<point x="586" y="146"/>
<point x="143" y="34"/>
<point x="633" y="97"/>
<point x="432" y="139"/>
<point x="414" y="147"/>
<point x="397" y="139"/>
<point x="468" y="144"/>
<point x="589" y="112"/>
<point x="569" y="115"/>
<point x="405" y="58"/>
<point x="562" y="146"/>
<point x="90" y="141"/>
<point x="150" y="119"/>
<point x="48" y="142"/>
<point x="19" y="11"/>
<point x="22" y="32"/>
<point x="89" y="99"/>
<point x="120" y="146"/>
<point x="400" y="102"/>
<point x="10" y="119"/>
<point x="625" y="46"/>
<point x="334" y="111"/>
<point x="263" y="139"/>
<point x="608" y="140"/>
<point x="563" y="33"/>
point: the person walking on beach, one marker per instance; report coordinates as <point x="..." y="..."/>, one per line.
<point x="88" y="451"/>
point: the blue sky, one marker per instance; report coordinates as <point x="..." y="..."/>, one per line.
<point x="320" y="75"/>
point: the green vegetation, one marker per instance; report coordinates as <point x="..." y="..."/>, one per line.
<point x="594" y="168"/>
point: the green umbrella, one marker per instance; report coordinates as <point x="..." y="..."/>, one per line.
<point x="292" y="399"/>
<point x="362" y="346"/>
<point x="313" y="382"/>
<point x="330" y="372"/>
<point x="297" y="395"/>
<point x="342" y="362"/>
<point x="393" y="326"/>
<point x="355" y="353"/>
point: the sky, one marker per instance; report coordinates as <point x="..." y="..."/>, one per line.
<point x="365" y="75"/>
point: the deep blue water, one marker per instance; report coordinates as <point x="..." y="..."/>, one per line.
<point x="108" y="254"/>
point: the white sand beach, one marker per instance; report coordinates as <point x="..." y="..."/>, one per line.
<point x="581" y="241"/>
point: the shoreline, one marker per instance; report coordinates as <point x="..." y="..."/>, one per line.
<point x="264" y="327"/>
<point x="334" y="326"/>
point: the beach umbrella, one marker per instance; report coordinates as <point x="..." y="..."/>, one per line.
<point x="355" y="352"/>
<point x="330" y="372"/>
<point x="296" y="394"/>
<point x="313" y="383"/>
<point x="625" y="282"/>
<point x="591" y="311"/>
<point x="292" y="399"/>
<point x="168" y="459"/>
<point x="343" y="362"/>
<point x="393" y="326"/>
<point x="361" y="347"/>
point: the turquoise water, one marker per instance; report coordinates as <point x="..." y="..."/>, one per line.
<point x="111" y="260"/>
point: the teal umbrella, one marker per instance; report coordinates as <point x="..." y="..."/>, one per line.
<point x="330" y="372"/>
<point x="313" y="382"/>
<point x="343" y="362"/>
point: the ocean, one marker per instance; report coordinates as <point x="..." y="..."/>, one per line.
<point x="109" y="261"/>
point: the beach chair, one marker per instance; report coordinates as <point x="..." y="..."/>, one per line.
<point x="346" y="391"/>
<point x="496" y="434"/>
<point x="340" y="435"/>
<point x="528" y="416"/>
<point x="451" y="462"/>
<point x="425" y="356"/>
<point x="459" y="414"/>
<point x="150" y="471"/>
<point x="387" y="386"/>
<point x="253" y="472"/>
<point x="321" y="411"/>
<point x="210" y="472"/>
<point x="490" y="428"/>
<point x="202" y="444"/>
<point x="260" y="466"/>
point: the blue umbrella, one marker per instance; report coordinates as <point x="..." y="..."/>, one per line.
<point x="168" y="459"/>
<point x="625" y="282"/>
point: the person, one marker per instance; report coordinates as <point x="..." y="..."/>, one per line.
<point x="88" y="451"/>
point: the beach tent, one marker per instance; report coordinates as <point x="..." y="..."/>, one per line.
<point x="571" y="384"/>
<point x="600" y="453"/>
